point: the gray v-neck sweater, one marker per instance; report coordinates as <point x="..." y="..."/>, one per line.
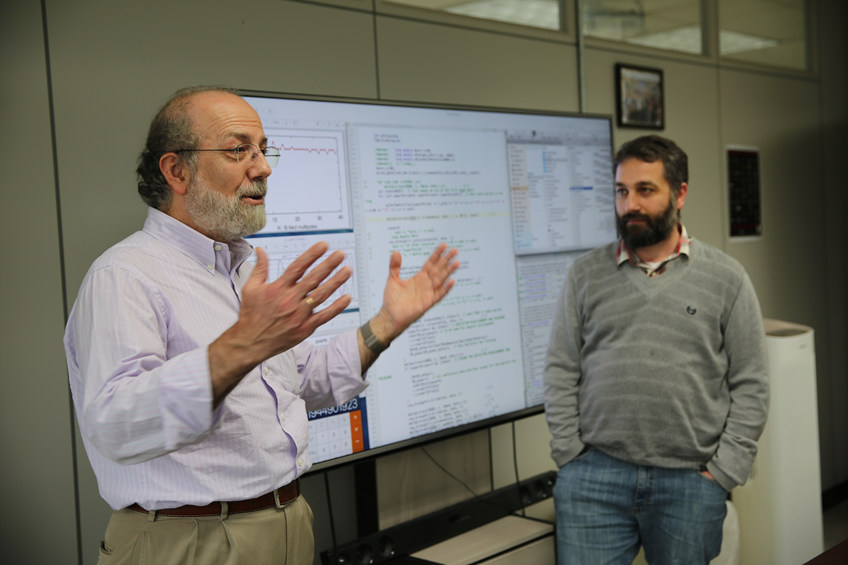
<point x="668" y="371"/>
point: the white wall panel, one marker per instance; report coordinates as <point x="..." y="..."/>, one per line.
<point x="781" y="117"/>
<point x="435" y="63"/>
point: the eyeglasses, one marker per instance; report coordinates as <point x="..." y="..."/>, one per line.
<point x="247" y="152"/>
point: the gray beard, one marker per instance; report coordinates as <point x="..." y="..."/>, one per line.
<point x="225" y="218"/>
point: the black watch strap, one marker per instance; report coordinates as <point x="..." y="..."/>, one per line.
<point x="375" y="345"/>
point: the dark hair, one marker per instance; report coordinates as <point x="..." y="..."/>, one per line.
<point x="170" y="129"/>
<point x="650" y="148"/>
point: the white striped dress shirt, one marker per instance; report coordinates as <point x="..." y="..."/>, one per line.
<point x="136" y="344"/>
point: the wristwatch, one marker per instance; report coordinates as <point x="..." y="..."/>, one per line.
<point x="375" y="345"/>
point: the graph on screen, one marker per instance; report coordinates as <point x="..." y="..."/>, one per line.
<point x="311" y="190"/>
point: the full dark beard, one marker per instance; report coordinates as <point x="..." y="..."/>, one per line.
<point x="655" y="229"/>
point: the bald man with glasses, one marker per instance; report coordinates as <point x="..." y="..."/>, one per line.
<point x="189" y="371"/>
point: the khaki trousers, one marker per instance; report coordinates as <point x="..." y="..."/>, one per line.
<point x="274" y="536"/>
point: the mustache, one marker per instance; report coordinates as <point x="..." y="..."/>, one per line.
<point x="256" y="188"/>
<point x="635" y="216"/>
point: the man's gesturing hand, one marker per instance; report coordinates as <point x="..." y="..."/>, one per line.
<point x="275" y="316"/>
<point x="406" y="300"/>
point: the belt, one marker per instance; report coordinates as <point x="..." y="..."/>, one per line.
<point x="278" y="498"/>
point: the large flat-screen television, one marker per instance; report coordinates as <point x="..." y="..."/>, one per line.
<point x="519" y="193"/>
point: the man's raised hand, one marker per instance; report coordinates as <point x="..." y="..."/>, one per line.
<point x="275" y="316"/>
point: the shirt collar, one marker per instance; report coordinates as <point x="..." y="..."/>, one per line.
<point x="625" y="255"/>
<point x="205" y="251"/>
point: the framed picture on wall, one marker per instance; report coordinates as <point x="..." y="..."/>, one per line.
<point x="639" y="97"/>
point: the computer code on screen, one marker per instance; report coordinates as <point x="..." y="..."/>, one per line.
<point x="519" y="194"/>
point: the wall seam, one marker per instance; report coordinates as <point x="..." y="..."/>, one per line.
<point x="62" y="266"/>
<point x="376" y="49"/>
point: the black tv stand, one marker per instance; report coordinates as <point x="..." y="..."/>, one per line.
<point x="396" y="545"/>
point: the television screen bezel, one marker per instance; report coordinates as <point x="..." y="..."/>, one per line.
<point x="469" y="427"/>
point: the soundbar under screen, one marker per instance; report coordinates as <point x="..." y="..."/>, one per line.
<point x="519" y="194"/>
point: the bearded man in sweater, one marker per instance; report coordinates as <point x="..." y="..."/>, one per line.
<point x="656" y="389"/>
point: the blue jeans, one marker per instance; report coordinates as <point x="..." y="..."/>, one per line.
<point x="606" y="508"/>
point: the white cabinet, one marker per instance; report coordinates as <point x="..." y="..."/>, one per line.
<point x="780" y="515"/>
